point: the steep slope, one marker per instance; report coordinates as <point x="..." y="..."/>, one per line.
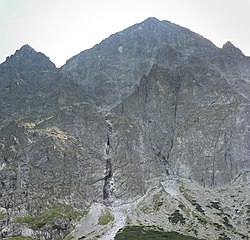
<point x="110" y="70"/>
<point x="189" y="120"/>
<point x="25" y="76"/>
<point x="175" y="205"/>
<point x="52" y="168"/>
<point x="26" y="72"/>
<point x="52" y="148"/>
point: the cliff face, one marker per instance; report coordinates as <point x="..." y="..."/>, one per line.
<point x="148" y="104"/>
<point x="110" y="70"/>
<point x="189" y="120"/>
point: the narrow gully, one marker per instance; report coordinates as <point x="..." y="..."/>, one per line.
<point x="108" y="185"/>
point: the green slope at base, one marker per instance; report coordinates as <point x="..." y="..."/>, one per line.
<point x="144" y="233"/>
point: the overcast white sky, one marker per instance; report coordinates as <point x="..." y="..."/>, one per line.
<point x="63" y="28"/>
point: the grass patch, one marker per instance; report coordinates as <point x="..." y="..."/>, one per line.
<point x="191" y="199"/>
<point x="218" y="226"/>
<point x="17" y="238"/>
<point x="147" y="233"/>
<point x="184" y="209"/>
<point x="35" y="123"/>
<point x="54" y="132"/>
<point x="157" y="206"/>
<point x="106" y="217"/>
<point x="69" y="237"/>
<point x="145" y="209"/>
<point x="176" y="217"/>
<point x="226" y="222"/>
<point x="243" y="236"/>
<point x="201" y="220"/>
<point x="66" y="212"/>
<point x="157" y="202"/>
<point x="248" y="210"/>
<point x="2" y="215"/>
<point x="215" y="205"/>
<point x="128" y="221"/>
<point x="197" y="206"/>
<point x="223" y="236"/>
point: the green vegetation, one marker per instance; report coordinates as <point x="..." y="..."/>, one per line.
<point x="243" y="236"/>
<point x="147" y="233"/>
<point x="226" y="222"/>
<point x="106" y="217"/>
<point x="201" y="220"/>
<point x="29" y="124"/>
<point x="128" y="221"/>
<point x="225" y="219"/>
<point x="54" y="132"/>
<point x="223" y="236"/>
<point x="218" y="226"/>
<point x="215" y="205"/>
<point x="157" y="202"/>
<point x="190" y="199"/>
<point x="197" y="206"/>
<point x="17" y="238"/>
<point x="222" y="213"/>
<point x="36" y="122"/>
<point x="184" y="191"/>
<point x="66" y="212"/>
<point x="145" y="209"/>
<point x="2" y="215"/>
<point x="185" y="209"/>
<point x="248" y="209"/>
<point x="69" y="237"/>
<point x="176" y="217"/>
<point x="155" y="206"/>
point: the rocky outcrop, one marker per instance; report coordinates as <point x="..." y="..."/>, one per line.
<point x="188" y="120"/>
<point x="110" y="70"/>
<point x="27" y="78"/>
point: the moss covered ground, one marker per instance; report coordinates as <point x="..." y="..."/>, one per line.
<point x="148" y="233"/>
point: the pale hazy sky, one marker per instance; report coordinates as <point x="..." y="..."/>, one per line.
<point x="63" y="28"/>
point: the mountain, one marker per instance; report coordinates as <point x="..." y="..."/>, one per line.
<point x="148" y="131"/>
<point x="26" y="75"/>
<point x="110" y="70"/>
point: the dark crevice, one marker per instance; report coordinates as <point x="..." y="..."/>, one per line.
<point x="170" y="149"/>
<point x="213" y="173"/>
<point x="177" y="88"/>
<point x="146" y="90"/>
<point x="108" y="146"/>
<point x="164" y="161"/>
<point x="107" y="182"/>
<point x="108" y="178"/>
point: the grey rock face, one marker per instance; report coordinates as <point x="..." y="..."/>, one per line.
<point x="110" y="70"/>
<point x="189" y="119"/>
<point x="51" y="161"/>
<point x="153" y="102"/>
<point x="27" y="78"/>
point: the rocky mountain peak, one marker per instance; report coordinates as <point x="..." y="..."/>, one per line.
<point x="228" y="44"/>
<point x="26" y="58"/>
<point x="127" y="55"/>
<point x="150" y="20"/>
<point x="25" y="73"/>
<point x="234" y="60"/>
<point x="25" y="49"/>
<point x="229" y="48"/>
